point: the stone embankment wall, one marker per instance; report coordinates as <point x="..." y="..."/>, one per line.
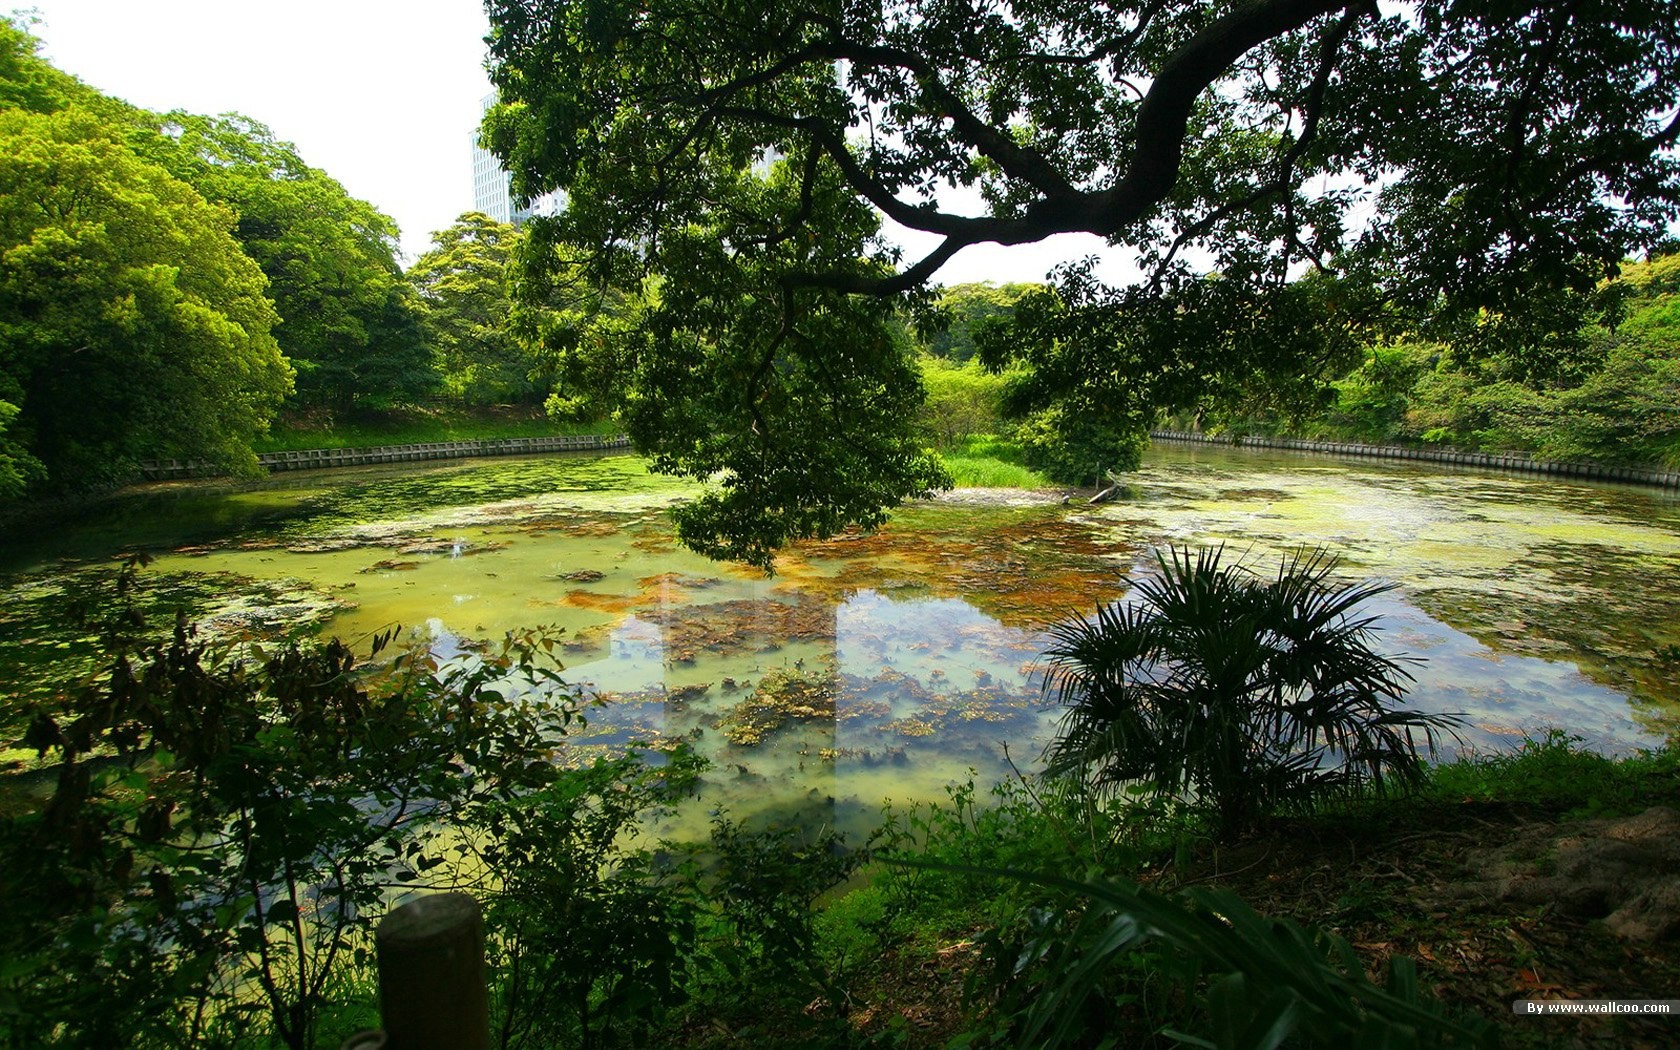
<point x="1487" y="460"/>
<point x="310" y="459"/>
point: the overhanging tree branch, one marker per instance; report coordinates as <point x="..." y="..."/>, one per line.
<point x="1164" y="115"/>
<point x="1162" y="123"/>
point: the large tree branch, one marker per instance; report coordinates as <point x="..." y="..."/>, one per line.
<point x="1150" y="172"/>
<point x="970" y="229"/>
<point x="1016" y="160"/>
<point x="1164" y="115"/>
<point x="1147" y="177"/>
<point x="1313" y="109"/>
<point x="1282" y="182"/>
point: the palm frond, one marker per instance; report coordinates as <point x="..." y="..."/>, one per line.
<point x="1239" y="693"/>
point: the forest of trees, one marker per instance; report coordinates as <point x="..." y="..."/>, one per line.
<point x="1615" y="398"/>
<point x="172" y="282"/>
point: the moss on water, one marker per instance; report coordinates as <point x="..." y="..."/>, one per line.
<point x="782" y="697"/>
<point x="52" y="626"/>
<point x="1528" y="567"/>
<point x="478" y="492"/>
<point x="1533" y="603"/>
<point x="1025" y="567"/>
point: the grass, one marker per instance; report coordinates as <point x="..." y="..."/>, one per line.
<point x="1555" y="775"/>
<point x="990" y="462"/>
<point x="972" y="472"/>
<point x="417" y="425"/>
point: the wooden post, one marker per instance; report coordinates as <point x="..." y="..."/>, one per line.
<point x="431" y="975"/>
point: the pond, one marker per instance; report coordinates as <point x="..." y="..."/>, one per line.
<point x="883" y="666"/>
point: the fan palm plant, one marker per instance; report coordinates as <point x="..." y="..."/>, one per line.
<point x="1238" y="694"/>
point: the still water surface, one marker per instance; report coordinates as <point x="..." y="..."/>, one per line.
<point x="889" y="665"/>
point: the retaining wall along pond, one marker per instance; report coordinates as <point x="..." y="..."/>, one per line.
<point x="310" y="459"/>
<point x="1514" y="461"/>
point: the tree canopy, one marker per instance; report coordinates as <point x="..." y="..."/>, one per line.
<point x="131" y="323"/>
<point x="465" y="284"/>
<point x="1617" y="402"/>
<point x="962" y="310"/>
<point x="501" y="339"/>
<point x="1480" y="164"/>
<point x="349" y="322"/>
<point x="159" y="271"/>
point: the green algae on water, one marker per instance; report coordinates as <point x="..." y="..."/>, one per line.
<point x="889" y="664"/>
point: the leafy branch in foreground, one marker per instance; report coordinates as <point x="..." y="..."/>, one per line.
<point x="227" y="826"/>
<point x="230" y="823"/>
<point x="1234" y="693"/>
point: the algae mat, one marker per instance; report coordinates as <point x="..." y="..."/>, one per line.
<point x="887" y="665"/>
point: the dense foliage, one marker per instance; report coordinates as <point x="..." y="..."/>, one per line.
<point x="131" y="323"/>
<point x="961" y="311"/>
<point x="464" y="281"/>
<point x="349" y="322"/>
<point x="1469" y="171"/>
<point x="1613" y="400"/>
<point x="174" y="280"/>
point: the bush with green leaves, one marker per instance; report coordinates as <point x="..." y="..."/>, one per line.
<point x="228" y="824"/>
<point x="231" y="821"/>
<point x="1236" y="694"/>
<point x="1555" y="772"/>
<point x="962" y="400"/>
<point x="760" y="936"/>
<point x="590" y="936"/>
<point x="1079" y="449"/>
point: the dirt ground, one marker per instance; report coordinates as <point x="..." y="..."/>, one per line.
<point x="1496" y="905"/>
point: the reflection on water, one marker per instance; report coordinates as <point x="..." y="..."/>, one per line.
<point x="823" y="705"/>
<point x="1538" y="601"/>
<point x="889" y="665"/>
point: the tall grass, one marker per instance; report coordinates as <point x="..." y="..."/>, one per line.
<point x="972" y="472"/>
<point x="1556" y="772"/>
<point x="988" y="461"/>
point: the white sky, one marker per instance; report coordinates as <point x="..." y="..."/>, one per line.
<point x="383" y="95"/>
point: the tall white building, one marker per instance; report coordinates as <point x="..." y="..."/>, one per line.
<point x="491" y="192"/>
<point x="490" y="183"/>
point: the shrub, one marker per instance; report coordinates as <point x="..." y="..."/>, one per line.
<point x="589" y="935"/>
<point x="1239" y="695"/>
<point x="228" y="824"/>
<point x="1080" y="448"/>
<point x="962" y="400"/>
